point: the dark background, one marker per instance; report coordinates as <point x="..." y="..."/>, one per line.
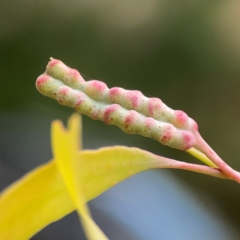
<point x="185" y="52"/>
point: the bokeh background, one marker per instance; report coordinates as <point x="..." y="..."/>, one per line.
<point x="185" y="52"/>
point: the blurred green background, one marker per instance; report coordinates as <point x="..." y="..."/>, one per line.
<point x="185" y="52"/>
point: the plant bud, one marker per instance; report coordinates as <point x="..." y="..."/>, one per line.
<point x="129" y="110"/>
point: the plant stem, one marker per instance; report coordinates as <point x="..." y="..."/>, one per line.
<point x="214" y="172"/>
<point x="200" y="156"/>
<point x="212" y="155"/>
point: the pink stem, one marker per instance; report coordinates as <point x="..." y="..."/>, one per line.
<point x="209" y="152"/>
<point x="214" y="172"/>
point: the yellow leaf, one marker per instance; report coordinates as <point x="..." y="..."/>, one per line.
<point x="65" y="148"/>
<point x="108" y="166"/>
<point x="66" y="183"/>
<point x="37" y="199"/>
<point x="41" y="196"/>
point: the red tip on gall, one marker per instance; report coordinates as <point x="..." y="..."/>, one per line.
<point x="53" y="62"/>
<point x="41" y="80"/>
<point x="115" y="92"/>
<point x="63" y="91"/>
<point x="134" y="97"/>
<point x="181" y="117"/>
<point x="130" y="119"/>
<point x="108" y="112"/>
<point x="97" y="85"/>
<point x="154" y="104"/>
